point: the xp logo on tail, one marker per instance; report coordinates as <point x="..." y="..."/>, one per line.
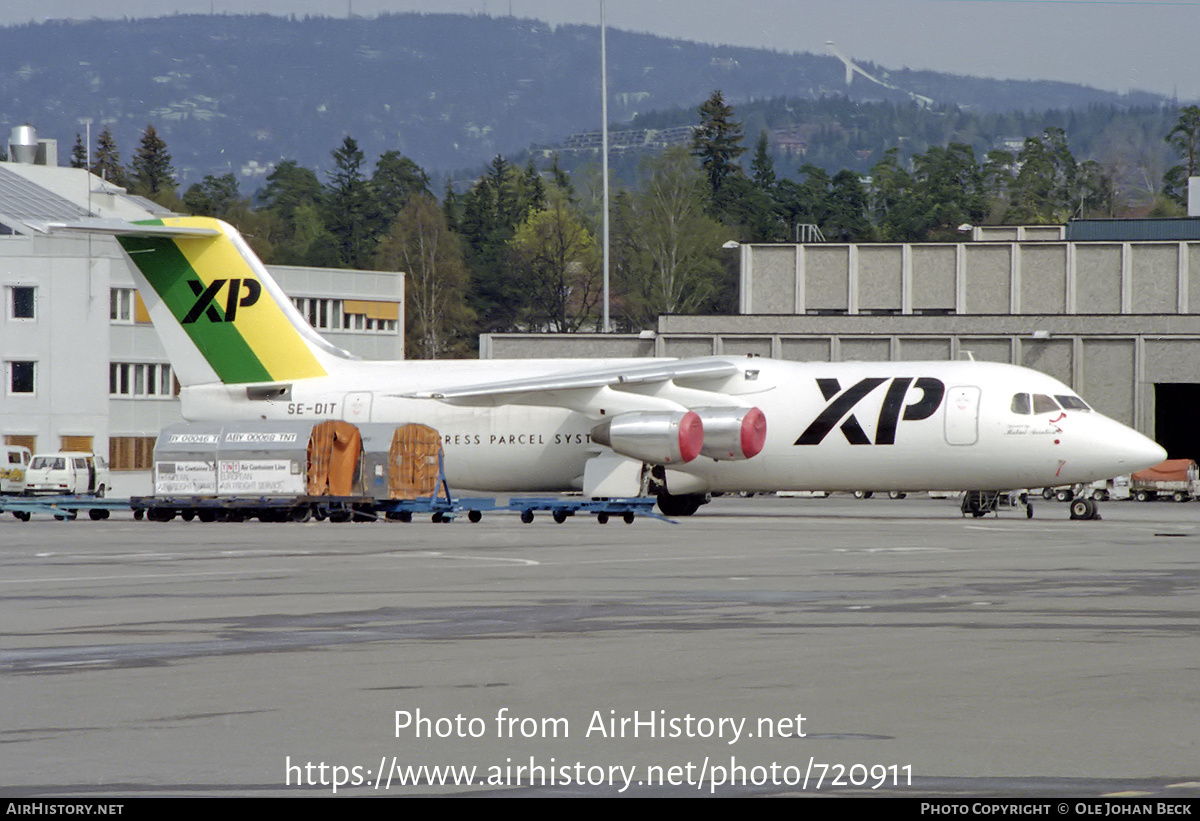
<point x="205" y="297"/>
<point x="842" y="403"/>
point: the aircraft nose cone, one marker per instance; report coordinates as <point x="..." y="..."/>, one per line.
<point x="1136" y="452"/>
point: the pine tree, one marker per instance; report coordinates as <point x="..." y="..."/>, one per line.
<point x="79" y="153"/>
<point x="762" y="167"/>
<point x="152" y="173"/>
<point x="1185" y="139"/>
<point x="107" y="162"/>
<point x="349" y="207"/>
<point x="396" y="179"/>
<point x="717" y="142"/>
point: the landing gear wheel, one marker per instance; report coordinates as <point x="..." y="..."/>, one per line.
<point x="1084" y="509"/>
<point x="1028" y="511"/>
<point x="684" y="504"/>
<point x="897" y="494"/>
<point x="1064" y="496"/>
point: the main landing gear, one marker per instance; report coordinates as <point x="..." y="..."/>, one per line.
<point x="681" y="504"/>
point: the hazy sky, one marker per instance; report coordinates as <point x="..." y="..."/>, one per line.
<point x="1103" y="43"/>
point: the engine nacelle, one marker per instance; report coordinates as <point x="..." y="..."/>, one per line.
<point x="658" y="437"/>
<point x="732" y="433"/>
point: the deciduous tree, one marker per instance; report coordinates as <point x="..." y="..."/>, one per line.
<point x="419" y="243"/>
<point x="677" y="268"/>
<point x="556" y="262"/>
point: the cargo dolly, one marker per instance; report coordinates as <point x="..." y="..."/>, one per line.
<point x="62" y="508"/>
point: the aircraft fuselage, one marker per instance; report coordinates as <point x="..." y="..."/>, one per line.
<point x="830" y="426"/>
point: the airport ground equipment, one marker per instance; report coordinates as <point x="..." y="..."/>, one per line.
<point x="61" y="507"/>
<point x="1176" y="479"/>
<point x="979" y="503"/>
<point x="299" y="471"/>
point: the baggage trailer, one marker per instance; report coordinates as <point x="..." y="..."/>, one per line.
<point x="298" y="471"/>
<point x="63" y="508"/>
<point x="1176" y="479"/>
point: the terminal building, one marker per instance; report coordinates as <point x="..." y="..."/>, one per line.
<point x="1115" y="315"/>
<point x="83" y="369"/>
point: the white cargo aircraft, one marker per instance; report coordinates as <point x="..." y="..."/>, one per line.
<point x="683" y="428"/>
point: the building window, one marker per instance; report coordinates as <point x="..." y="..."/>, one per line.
<point x="21" y="377"/>
<point x="349" y="315"/>
<point x="371" y="316"/>
<point x="131" y="452"/>
<point x="22" y="302"/>
<point x="322" y="314"/>
<point x="21" y="440"/>
<point x="121" y="305"/>
<point x="82" y="444"/>
<point x="140" y="380"/>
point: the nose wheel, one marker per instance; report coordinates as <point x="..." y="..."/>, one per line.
<point x="1082" y="508"/>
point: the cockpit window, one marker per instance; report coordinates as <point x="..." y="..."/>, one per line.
<point x="1071" y="402"/>
<point x="1020" y="404"/>
<point x="1044" y="404"/>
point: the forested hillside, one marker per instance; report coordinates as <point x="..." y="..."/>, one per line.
<point x="240" y="93"/>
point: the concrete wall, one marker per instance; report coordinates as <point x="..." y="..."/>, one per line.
<point x="1019" y="277"/>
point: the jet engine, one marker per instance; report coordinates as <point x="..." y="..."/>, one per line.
<point x="658" y="437"/>
<point x="732" y="433"/>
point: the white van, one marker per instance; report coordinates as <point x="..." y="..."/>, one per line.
<point x="70" y="472"/>
<point x="14" y="461"/>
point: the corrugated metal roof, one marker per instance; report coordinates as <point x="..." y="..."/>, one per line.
<point x="1134" y="230"/>
<point x="23" y="202"/>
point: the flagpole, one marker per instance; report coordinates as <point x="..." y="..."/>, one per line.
<point x="604" y="151"/>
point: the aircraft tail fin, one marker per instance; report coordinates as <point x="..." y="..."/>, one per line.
<point x="220" y="314"/>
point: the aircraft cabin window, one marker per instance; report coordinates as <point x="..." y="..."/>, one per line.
<point x="1072" y="402"/>
<point x="1044" y="404"/>
<point x="1020" y="403"/>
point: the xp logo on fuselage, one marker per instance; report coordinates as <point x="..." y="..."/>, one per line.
<point x="205" y="297"/>
<point x="842" y="402"/>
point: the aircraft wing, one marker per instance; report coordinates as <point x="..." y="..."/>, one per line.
<point x="512" y="390"/>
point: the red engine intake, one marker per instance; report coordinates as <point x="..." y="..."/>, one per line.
<point x="733" y="433"/>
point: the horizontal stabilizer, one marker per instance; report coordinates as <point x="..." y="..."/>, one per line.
<point x="122" y="228"/>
